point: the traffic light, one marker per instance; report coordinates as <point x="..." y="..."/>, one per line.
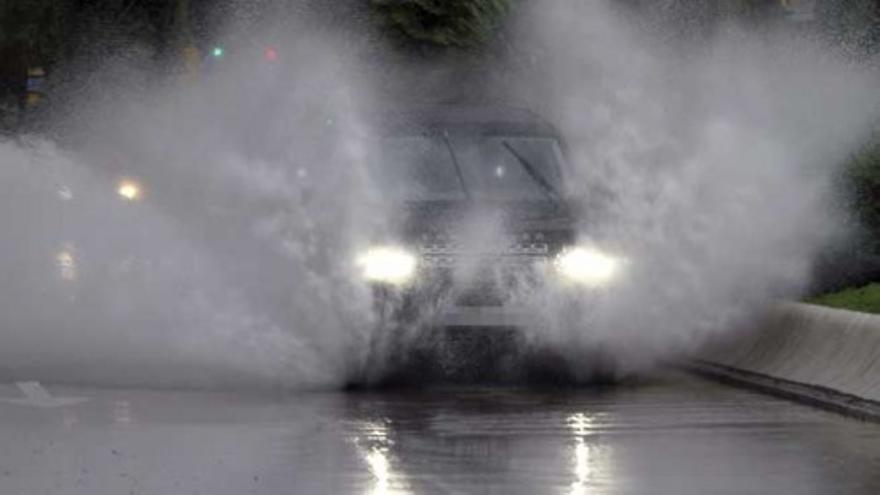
<point x="270" y="54"/>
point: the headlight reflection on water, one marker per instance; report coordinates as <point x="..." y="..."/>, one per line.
<point x="590" y="461"/>
<point x="375" y="447"/>
<point x="377" y="459"/>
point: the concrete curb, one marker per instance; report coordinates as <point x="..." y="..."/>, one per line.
<point x="811" y="395"/>
<point x="826" y="357"/>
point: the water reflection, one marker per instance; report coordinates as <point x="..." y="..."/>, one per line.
<point x="590" y="461"/>
<point x="377" y="459"/>
<point x="374" y="444"/>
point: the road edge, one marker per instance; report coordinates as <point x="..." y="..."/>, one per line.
<point x="812" y="395"/>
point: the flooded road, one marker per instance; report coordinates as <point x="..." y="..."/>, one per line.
<point x="673" y="434"/>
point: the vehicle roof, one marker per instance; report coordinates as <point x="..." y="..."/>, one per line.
<point x="482" y="119"/>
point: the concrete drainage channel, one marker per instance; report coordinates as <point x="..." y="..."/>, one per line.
<point x="826" y="357"/>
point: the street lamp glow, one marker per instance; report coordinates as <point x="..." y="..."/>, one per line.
<point x="66" y="263"/>
<point x="129" y="190"/>
<point x="217" y="52"/>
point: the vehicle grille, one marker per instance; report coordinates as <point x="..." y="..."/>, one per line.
<point x="526" y="244"/>
<point x="493" y="281"/>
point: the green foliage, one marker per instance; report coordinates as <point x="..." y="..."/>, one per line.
<point x="862" y="185"/>
<point x="445" y="23"/>
<point x="47" y="31"/>
<point x="865" y="299"/>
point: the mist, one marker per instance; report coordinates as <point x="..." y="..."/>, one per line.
<point x="708" y="165"/>
<point x="232" y="266"/>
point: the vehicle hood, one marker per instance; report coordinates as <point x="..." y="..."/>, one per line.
<point x="444" y="217"/>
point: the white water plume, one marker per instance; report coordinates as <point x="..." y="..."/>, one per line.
<point x="224" y="259"/>
<point x="709" y="168"/>
<point x="708" y="165"/>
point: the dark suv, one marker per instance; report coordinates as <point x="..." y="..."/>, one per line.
<point x="484" y="222"/>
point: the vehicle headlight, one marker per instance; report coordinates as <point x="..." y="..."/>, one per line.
<point x="388" y="265"/>
<point x="129" y="190"/>
<point x="588" y="266"/>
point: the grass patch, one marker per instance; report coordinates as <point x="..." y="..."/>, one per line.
<point x="865" y="299"/>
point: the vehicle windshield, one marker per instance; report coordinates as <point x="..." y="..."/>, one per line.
<point x="493" y="168"/>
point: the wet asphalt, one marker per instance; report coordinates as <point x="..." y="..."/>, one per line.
<point x="670" y="434"/>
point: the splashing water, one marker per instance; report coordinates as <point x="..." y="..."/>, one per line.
<point x="205" y="237"/>
<point x="710" y="167"/>
<point x="202" y="239"/>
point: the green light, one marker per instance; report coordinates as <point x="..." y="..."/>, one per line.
<point x="217" y="52"/>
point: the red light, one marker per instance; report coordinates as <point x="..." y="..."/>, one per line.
<point x="271" y="54"/>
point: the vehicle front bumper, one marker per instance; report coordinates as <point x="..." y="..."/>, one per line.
<point x="485" y="317"/>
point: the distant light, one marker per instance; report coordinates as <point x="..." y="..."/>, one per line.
<point x="129" y="190"/>
<point x="66" y="263"/>
<point x="499" y="171"/>
<point x="271" y="54"/>
<point x="218" y="52"/>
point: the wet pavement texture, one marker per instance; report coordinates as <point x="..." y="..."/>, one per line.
<point x="672" y="434"/>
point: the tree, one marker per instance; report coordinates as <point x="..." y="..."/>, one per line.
<point x="444" y="23"/>
<point x="48" y="31"/>
<point x="862" y="185"/>
<point x="33" y="29"/>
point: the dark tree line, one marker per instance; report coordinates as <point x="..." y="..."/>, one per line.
<point x="460" y="23"/>
<point x="44" y="32"/>
<point x="47" y="31"/>
<point x="53" y="33"/>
